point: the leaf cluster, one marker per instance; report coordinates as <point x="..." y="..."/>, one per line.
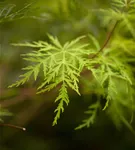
<point x="61" y="66"/>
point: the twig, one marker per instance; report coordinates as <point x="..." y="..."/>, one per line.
<point x="12" y="126"/>
<point x="107" y="40"/>
<point x="109" y="34"/>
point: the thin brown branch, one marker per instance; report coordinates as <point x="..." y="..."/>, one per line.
<point x="107" y="40"/>
<point x="110" y="34"/>
<point x="12" y="126"/>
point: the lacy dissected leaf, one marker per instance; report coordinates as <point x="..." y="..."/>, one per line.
<point x="111" y="67"/>
<point x="92" y="112"/>
<point x="128" y="23"/>
<point x="122" y="104"/>
<point x="128" y="17"/>
<point x="116" y="79"/>
<point x="63" y="98"/>
<point x="61" y="65"/>
<point x="123" y="11"/>
<point x="123" y="49"/>
<point x="123" y="4"/>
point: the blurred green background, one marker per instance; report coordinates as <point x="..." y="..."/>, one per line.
<point x="66" y="19"/>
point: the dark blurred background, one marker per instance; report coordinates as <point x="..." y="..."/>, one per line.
<point x="66" y="19"/>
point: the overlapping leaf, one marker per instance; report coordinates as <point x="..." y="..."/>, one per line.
<point x="92" y="112"/>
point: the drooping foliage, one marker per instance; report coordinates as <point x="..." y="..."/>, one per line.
<point x="111" y="66"/>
